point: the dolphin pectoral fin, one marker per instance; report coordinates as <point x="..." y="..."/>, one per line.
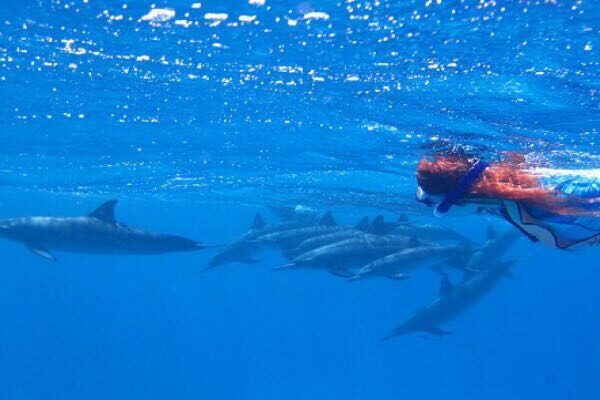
<point x="40" y="251"/>
<point x="106" y="212"/>
<point x="437" y="331"/>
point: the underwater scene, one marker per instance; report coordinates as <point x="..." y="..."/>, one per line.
<point x="287" y="199"/>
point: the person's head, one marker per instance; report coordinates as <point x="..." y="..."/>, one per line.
<point x="509" y="179"/>
<point x="438" y="176"/>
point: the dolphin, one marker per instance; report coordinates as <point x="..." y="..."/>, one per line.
<point x="242" y="249"/>
<point x="380" y="227"/>
<point x="429" y="232"/>
<point x="452" y="301"/>
<point x="289" y="238"/>
<point x="97" y="233"/>
<point x="339" y="257"/>
<point x="398" y="265"/>
<point x="494" y="248"/>
<point x="329" y="238"/>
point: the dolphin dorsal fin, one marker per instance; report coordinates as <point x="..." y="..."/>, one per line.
<point x="402" y="219"/>
<point x="446" y="286"/>
<point x="106" y="212"/>
<point x="413" y="242"/>
<point x="363" y="224"/>
<point x="327" y="219"/>
<point x="378" y="226"/>
<point x="258" y="222"/>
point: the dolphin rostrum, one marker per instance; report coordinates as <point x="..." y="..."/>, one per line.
<point x="97" y="233"/>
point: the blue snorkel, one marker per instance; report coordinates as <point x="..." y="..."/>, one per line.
<point x="461" y="188"/>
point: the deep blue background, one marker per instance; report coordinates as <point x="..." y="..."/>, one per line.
<point x="334" y="114"/>
<point x="139" y="327"/>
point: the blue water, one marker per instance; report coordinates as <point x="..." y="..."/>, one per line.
<point x="197" y="122"/>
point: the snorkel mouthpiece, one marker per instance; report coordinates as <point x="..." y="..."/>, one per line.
<point x="423" y="198"/>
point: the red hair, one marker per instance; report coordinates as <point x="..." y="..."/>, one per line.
<point x="509" y="179"/>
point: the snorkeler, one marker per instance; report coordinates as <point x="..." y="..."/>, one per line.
<point x="558" y="207"/>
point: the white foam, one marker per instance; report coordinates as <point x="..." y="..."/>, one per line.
<point x="216" y="16"/>
<point x="70" y="49"/>
<point x="157" y="15"/>
<point x="585" y="173"/>
<point x="258" y="3"/>
<point x="247" y="18"/>
<point x="196" y="5"/>
<point x="183" y="22"/>
<point x="316" y="15"/>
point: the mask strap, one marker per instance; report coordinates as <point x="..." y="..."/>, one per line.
<point x="463" y="185"/>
